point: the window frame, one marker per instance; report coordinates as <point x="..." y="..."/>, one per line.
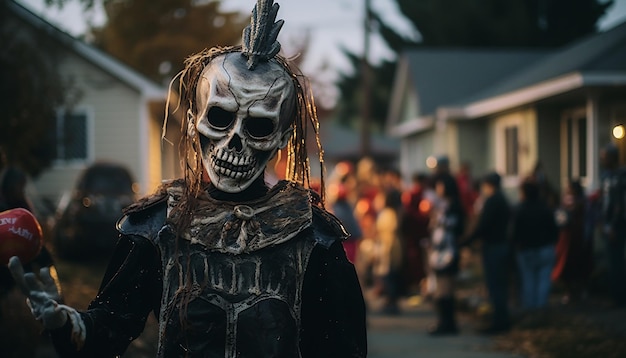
<point x="570" y="146"/>
<point x="88" y="112"/>
<point x="501" y="127"/>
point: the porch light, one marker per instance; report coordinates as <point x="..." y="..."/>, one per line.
<point x="431" y="162"/>
<point x="619" y="131"/>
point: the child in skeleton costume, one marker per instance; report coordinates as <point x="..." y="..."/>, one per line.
<point x="231" y="268"/>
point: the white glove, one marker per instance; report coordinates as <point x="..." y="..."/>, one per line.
<point x="42" y="292"/>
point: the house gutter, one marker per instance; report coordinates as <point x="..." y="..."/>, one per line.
<point x="538" y="92"/>
<point x="524" y="96"/>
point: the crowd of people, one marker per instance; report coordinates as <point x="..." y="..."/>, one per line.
<point x="407" y="240"/>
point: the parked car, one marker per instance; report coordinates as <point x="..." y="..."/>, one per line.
<point x="86" y="217"/>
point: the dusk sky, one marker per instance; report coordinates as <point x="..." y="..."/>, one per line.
<point x="332" y="24"/>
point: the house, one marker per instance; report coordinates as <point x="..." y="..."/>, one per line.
<point x="117" y="117"/>
<point x="510" y="109"/>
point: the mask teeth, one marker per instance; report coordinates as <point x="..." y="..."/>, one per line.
<point x="235" y="175"/>
<point x="225" y="162"/>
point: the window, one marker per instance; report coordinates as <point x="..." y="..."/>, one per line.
<point x="71" y="136"/>
<point x="508" y="146"/>
<point x="511" y="148"/>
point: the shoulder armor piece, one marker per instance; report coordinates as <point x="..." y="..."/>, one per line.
<point x="144" y="222"/>
<point x="327" y="228"/>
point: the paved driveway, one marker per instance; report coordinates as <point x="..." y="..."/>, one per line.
<point x="404" y="336"/>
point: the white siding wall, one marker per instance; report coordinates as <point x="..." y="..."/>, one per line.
<point x="415" y="150"/>
<point x="114" y="134"/>
<point x="473" y="146"/>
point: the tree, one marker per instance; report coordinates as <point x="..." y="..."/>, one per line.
<point x="154" y="37"/>
<point x="349" y="106"/>
<point x="31" y="89"/>
<point x="477" y="23"/>
<point x="487" y="23"/>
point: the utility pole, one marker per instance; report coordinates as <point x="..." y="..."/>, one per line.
<point x="366" y="83"/>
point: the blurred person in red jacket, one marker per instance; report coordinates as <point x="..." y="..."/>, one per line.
<point x="414" y="230"/>
<point x="467" y="193"/>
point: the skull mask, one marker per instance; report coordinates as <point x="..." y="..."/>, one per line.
<point x="243" y="118"/>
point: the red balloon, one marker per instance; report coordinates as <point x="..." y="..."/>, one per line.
<point x="20" y="235"/>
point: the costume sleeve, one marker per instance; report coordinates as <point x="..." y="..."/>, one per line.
<point x="129" y="291"/>
<point x="333" y="310"/>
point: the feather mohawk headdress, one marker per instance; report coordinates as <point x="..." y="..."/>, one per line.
<point x="260" y="38"/>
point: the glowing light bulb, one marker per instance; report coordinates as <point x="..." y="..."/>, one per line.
<point x="619" y="132"/>
<point x="431" y="162"/>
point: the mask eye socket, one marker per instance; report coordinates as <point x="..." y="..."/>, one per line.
<point x="219" y="118"/>
<point x="259" y="127"/>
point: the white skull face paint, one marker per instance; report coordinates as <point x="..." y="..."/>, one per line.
<point x="241" y="118"/>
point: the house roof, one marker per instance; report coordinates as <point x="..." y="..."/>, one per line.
<point x="604" y="51"/>
<point x="107" y="63"/>
<point x="445" y="76"/>
<point x="467" y="83"/>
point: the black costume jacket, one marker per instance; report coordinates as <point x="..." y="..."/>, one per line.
<point x="264" y="278"/>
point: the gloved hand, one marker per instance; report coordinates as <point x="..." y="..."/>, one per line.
<point x="41" y="293"/>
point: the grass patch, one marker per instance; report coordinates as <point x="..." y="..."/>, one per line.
<point x="564" y="334"/>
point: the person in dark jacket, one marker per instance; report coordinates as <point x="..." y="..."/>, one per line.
<point x="534" y="235"/>
<point x="574" y="250"/>
<point x="492" y="229"/>
<point x="613" y="220"/>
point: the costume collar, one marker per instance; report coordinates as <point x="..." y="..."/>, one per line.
<point x="242" y="227"/>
